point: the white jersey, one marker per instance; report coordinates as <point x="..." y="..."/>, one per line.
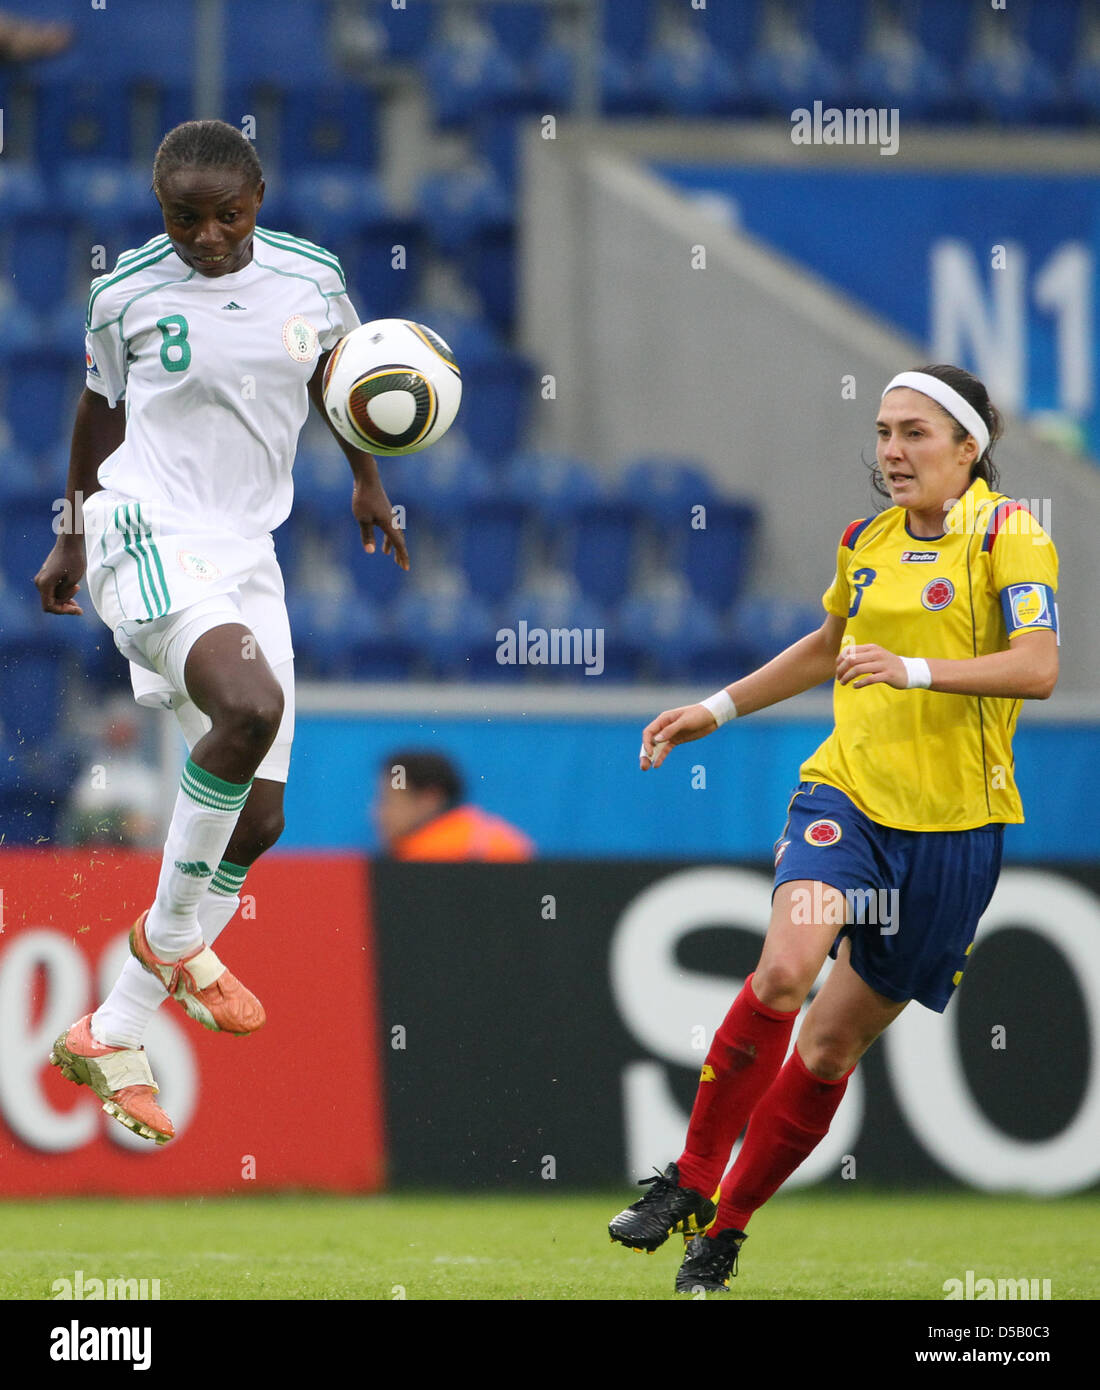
<point x="214" y="371"/>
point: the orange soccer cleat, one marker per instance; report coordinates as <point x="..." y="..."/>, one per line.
<point x="209" y="993"/>
<point x="119" y="1076"/>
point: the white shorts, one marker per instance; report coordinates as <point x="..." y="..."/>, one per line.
<point x="159" y="584"/>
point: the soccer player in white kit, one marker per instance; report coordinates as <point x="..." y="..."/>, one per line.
<point x="204" y="348"/>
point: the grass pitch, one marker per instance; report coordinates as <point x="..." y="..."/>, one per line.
<point x="545" y="1247"/>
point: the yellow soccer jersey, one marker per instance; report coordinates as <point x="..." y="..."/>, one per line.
<point x="922" y="759"/>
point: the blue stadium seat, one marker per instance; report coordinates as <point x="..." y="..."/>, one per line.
<point x="463" y="78"/>
<point x="264" y="38"/>
<point x="62" y="329"/>
<point x="325" y="627"/>
<point x="715" y="560"/>
<point x="100" y="192"/>
<point x="729" y="659"/>
<point x="629" y="29"/>
<point x="782" y="78"/>
<point x="945" y="29"/>
<point x="338" y="125"/>
<point x="469" y="338"/>
<point x="21" y="330"/>
<point x="733" y="27"/>
<point x="39" y="260"/>
<point x="142" y="39"/>
<point x="385" y="268"/>
<point x="533" y="610"/>
<point x="84" y="118"/>
<point x="434" y="486"/>
<point x="839" y="31"/>
<point x="39" y="403"/>
<point x="376" y="576"/>
<point x="446" y="628"/>
<point x="906" y="77"/>
<point x="334" y="202"/>
<point x="1015" y="89"/>
<point x="769" y="626"/>
<point x="600" y="548"/>
<point x="488" y="544"/>
<point x="26" y="537"/>
<point x="18" y="475"/>
<point x="695" y="81"/>
<point x="384" y="656"/>
<point x="22" y="190"/>
<point x="1052" y="31"/>
<point x="33" y="788"/>
<point x="674" y="630"/>
<point x="668" y="487"/>
<point x="497" y="397"/>
<point x="520" y="29"/>
<point x="458" y="206"/>
<point x="32" y="674"/>
<point x="408" y="31"/>
<point x="625" y="87"/>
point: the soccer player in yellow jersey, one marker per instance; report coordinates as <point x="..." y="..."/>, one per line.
<point x="939" y="621"/>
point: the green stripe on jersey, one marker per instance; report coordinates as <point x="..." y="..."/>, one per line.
<point x="283" y="241"/>
<point x="104" y="282"/>
<point x="212" y="792"/>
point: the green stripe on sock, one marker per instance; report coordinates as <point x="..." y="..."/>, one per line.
<point x="228" y="879"/>
<point x="211" y="791"/>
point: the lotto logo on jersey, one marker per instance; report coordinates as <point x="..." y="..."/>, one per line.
<point x="937" y="593"/>
<point x="1028" y="605"/>
<point x="822" y="832"/>
<point x="780" y="851"/>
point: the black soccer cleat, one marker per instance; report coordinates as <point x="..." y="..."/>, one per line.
<point x="665" y="1208"/>
<point x="710" y="1262"/>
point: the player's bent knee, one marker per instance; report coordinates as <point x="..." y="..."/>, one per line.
<point x="254" y="836"/>
<point x="252" y="723"/>
<point x="829" y="1058"/>
<point x="782" y="984"/>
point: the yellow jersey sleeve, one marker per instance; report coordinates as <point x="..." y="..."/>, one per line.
<point x="837" y="598"/>
<point x="1023" y="568"/>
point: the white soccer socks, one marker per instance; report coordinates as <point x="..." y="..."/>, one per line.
<point x="206" y="812"/>
<point x="121" y="1020"/>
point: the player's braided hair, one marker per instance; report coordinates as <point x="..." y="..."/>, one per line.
<point x="206" y="145"/>
<point x="973" y="391"/>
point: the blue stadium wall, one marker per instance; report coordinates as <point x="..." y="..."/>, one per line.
<point x="574" y="786"/>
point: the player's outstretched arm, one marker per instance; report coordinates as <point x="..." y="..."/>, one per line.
<point x="800" y="667"/>
<point x="369" y="504"/>
<point x="97" y="432"/>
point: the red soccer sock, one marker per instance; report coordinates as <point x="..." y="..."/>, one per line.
<point x="742" y="1063"/>
<point x="788" y="1124"/>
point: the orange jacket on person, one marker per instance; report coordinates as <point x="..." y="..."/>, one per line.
<point x="466" y="832"/>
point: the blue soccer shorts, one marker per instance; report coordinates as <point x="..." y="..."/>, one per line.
<point x="913" y="899"/>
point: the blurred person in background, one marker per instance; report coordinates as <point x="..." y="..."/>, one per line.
<point x="117" y="799"/>
<point x="419" y="813"/>
<point x="24" y="40"/>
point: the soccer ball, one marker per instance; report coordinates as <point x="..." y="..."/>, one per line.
<point x="392" y="386"/>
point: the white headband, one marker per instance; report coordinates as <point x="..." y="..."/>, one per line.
<point x="955" y="405"/>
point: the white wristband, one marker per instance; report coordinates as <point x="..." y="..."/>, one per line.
<point x="721" y="706"/>
<point x="916" y="668"/>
